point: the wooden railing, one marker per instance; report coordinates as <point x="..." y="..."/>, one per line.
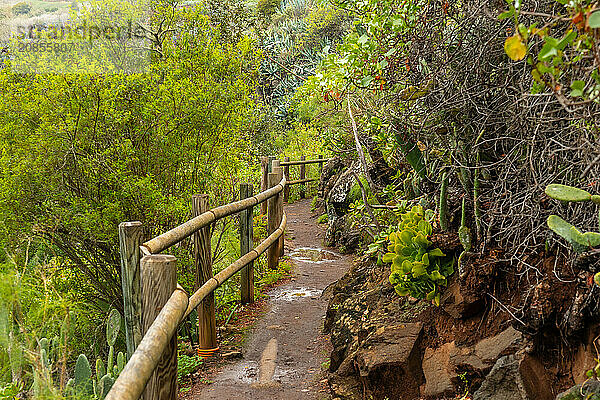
<point x="155" y="304"/>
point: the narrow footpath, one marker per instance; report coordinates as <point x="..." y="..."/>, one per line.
<point x="283" y="355"/>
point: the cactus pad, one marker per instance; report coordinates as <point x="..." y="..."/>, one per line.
<point x="567" y="193"/>
<point x="579" y="241"/>
<point x="104" y="386"/>
<point x="83" y="375"/>
<point x="113" y="325"/>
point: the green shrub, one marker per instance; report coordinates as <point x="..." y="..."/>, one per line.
<point x="417" y="269"/>
<point x="187" y="365"/>
<point x="266" y="8"/>
<point x="323" y="219"/>
<point x="21" y="8"/>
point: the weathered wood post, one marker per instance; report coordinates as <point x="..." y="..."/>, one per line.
<point x="279" y="171"/>
<point x="246" y="233"/>
<point x="159" y="281"/>
<point x="130" y="238"/>
<point x="273" y="223"/>
<point x="320" y="194"/>
<point x="302" y="176"/>
<point x="271" y="159"/>
<point x="264" y="181"/>
<point x="286" y="172"/>
<point x="207" y="326"/>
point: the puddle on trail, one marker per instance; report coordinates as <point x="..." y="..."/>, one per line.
<point x="313" y="255"/>
<point x="295" y="294"/>
<point x="247" y="372"/>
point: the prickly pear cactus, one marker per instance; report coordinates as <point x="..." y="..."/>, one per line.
<point x="100" y="368"/>
<point x="567" y="193"/>
<point x="113" y="326"/>
<point x="580" y="241"/>
<point x="110" y="361"/>
<point x="45" y="356"/>
<point x="120" y="363"/>
<point x="83" y="375"/>
<point x="70" y="388"/>
<point x="104" y="385"/>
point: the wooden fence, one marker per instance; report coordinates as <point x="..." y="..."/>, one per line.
<point x="155" y="304"/>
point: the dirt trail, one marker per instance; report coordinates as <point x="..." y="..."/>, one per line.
<point x="289" y="332"/>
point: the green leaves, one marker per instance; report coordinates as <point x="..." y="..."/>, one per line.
<point x="86" y="152"/>
<point x="597" y="278"/>
<point x="413" y="155"/>
<point x="416" y="269"/>
<point x="577" y="88"/>
<point x="548" y="51"/>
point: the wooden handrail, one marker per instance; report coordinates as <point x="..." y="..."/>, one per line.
<point x="177" y="234"/>
<point x="233" y="268"/>
<point x="304" y="162"/>
<point x="159" y="337"/>
<point x="299" y="181"/>
<point x="132" y="380"/>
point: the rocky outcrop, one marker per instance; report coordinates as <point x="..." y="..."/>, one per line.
<point x="460" y="303"/>
<point x="389" y="362"/>
<point x="440" y="374"/>
<point x="482" y="337"/>
<point x="338" y="188"/>
<point x="443" y="365"/>
<point x="341" y="234"/>
<point x="590" y="390"/>
<point x="331" y="170"/>
<point x="514" y="378"/>
<point x="457" y="346"/>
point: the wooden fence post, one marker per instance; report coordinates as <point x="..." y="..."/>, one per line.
<point x="159" y="281"/>
<point x="271" y="160"/>
<point x="246" y="233"/>
<point x="321" y="163"/>
<point x="207" y="326"/>
<point x="264" y="181"/>
<point x="273" y="223"/>
<point x="130" y="238"/>
<point x="286" y="172"/>
<point x="302" y="176"/>
<point x="279" y="171"/>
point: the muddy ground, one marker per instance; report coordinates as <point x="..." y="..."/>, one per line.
<point x="293" y="315"/>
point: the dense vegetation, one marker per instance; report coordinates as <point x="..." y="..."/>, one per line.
<point x="491" y="136"/>
<point x="381" y="84"/>
<point x="83" y="152"/>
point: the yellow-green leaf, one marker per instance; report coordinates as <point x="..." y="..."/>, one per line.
<point x="514" y="48"/>
<point x="388" y="257"/>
